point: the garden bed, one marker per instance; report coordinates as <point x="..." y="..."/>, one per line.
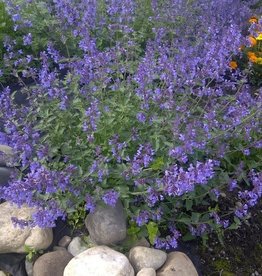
<point x="156" y="106"/>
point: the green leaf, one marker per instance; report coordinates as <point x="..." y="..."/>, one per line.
<point x="157" y="164"/>
<point x="185" y="220"/>
<point x="188" y="237"/>
<point x="233" y="226"/>
<point x="189" y="204"/>
<point x="133" y="230"/>
<point x="152" y="230"/>
<point x="195" y="217"/>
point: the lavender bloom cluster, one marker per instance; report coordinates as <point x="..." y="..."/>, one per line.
<point x="250" y="198"/>
<point x="177" y="181"/>
<point x="144" y="109"/>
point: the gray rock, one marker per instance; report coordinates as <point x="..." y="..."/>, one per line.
<point x="6" y="155"/>
<point x="146" y="272"/>
<point x="99" y="261"/>
<point x="29" y="268"/>
<point x="13" y="239"/>
<point x="142" y="242"/>
<point x="77" y="246"/>
<point x="56" y="248"/>
<point x="143" y="257"/>
<point x="107" y="225"/>
<point x="52" y="263"/>
<point x="177" y="264"/>
<point x="4" y="175"/>
<point x="64" y="242"/>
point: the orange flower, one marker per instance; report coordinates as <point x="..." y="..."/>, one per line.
<point x="253" y="58"/>
<point x="233" y="64"/>
<point x="250" y="54"/>
<point x="252" y="40"/>
<point x="253" y="19"/>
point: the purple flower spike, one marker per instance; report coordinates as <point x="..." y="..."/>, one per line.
<point x="110" y="197"/>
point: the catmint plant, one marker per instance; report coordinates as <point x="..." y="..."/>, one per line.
<point x="156" y="115"/>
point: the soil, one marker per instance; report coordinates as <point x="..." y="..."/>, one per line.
<point x="241" y="254"/>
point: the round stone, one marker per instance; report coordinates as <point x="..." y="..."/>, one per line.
<point x="99" y="261"/>
<point x="144" y="257"/>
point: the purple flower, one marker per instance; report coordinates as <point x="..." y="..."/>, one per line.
<point x="117" y="148"/>
<point x="55" y="55"/>
<point x="142" y="218"/>
<point x="45" y="217"/>
<point x="142" y="158"/>
<point x="110" y="197"/>
<point x="232" y="185"/>
<point x="27" y="39"/>
<point x="152" y="197"/>
<point x="90" y="204"/>
<point x="16" y="17"/>
<point x="242" y="211"/>
<point x="157" y="214"/>
<point x="216" y="192"/>
<point x="160" y="243"/>
<point x="141" y="117"/>
<point x="92" y="115"/>
<point x="170" y="242"/>
<point x="256" y="179"/>
<point x="225" y="223"/>
<point x="199" y="230"/>
<point x="178" y="181"/>
<point x="20" y="222"/>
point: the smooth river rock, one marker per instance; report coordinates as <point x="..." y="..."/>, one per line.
<point x="177" y="264"/>
<point x="99" y="261"/>
<point x="52" y="263"/>
<point x="13" y="239"/>
<point x="144" y="257"/>
<point x="107" y="225"/>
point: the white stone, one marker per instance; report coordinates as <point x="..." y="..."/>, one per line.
<point x="99" y="261"/>
<point x="107" y="225"/>
<point x="147" y="271"/>
<point x="77" y="246"/>
<point x="177" y="264"/>
<point x="143" y="257"/>
<point x="13" y="239"/>
<point x="2" y="273"/>
<point x="6" y="154"/>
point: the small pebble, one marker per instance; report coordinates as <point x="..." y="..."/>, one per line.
<point x="64" y="242"/>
